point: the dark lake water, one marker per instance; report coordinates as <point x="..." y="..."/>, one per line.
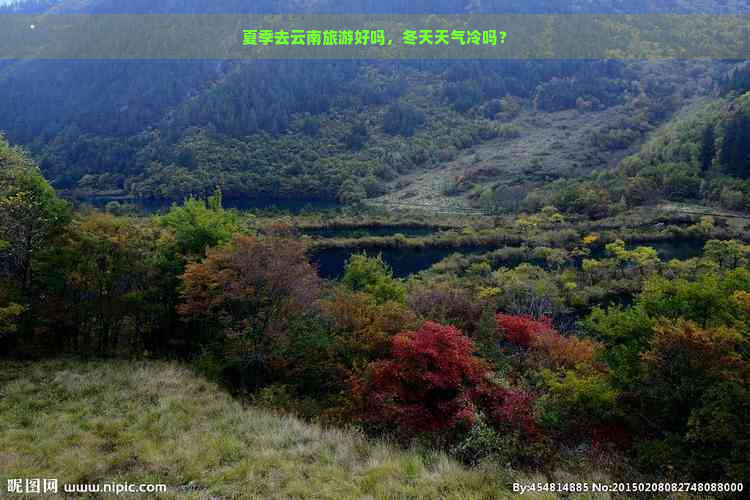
<point x="403" y="261"/>
<point x="678" y="248"/>
<point x="406" y="261"/>
<point x="682" y="249"/>
<point x="152" y="206"/>
<point x="364" y="231"/>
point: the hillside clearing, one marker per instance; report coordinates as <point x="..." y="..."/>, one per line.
<point x="550" y="145"/>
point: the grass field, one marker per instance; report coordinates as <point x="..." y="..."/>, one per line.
<point x="154" y="422"/>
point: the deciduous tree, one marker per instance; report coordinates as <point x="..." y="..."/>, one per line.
<point x="248" y="291"/>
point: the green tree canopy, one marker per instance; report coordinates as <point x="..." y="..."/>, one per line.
<point x="32" y="216"/>
<point x="373" y="276"/>
<point x="200" y="224"/>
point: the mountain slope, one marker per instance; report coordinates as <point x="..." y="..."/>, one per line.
<point x="700" y="155"/>
<point x="346" y="130"/>
<point x="539" y="146"/>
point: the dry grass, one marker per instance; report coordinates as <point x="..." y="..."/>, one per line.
<point x="157" y="422"/>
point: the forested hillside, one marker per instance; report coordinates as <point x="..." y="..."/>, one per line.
<point x="698" y="156"/>
<point x="344" y="130"/>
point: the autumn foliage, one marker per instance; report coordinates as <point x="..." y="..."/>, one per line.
<point x="510" y="409"/>
<point x="248" y="296"/>
<point x="429" y="383"/>
<point x="433" y="383"/>
<point x="520" y="330"/>
<point x="362" y="327"/>
<point x="253" y="284"/>
<point x="667" y="380"/>
<point x="695" y="384"/>
<point x="565" y="351"/>
<point x="558" y="351"/>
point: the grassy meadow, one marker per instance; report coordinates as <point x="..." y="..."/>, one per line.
<point x="157" y="422"/>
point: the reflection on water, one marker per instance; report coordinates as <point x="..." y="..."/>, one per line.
<point x="682" y="249"/>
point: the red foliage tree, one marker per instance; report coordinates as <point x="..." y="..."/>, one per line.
<point x="433" y="383"/>
<point x="611" y="434"/>
<point x="509" y="409"/>
<point x="521" y="330"/>
<point x="552" y="349"/>
<point x="430" y="383"/>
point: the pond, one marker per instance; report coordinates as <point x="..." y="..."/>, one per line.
<point x="365" y="231"/>
<point x="151" y="206"/>
<point x="677" y="248"/>
<point x="403" y="261"/>
<point x="680" y="249"/>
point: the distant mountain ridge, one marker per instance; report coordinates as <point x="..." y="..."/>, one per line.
<point x="328" y="130"/>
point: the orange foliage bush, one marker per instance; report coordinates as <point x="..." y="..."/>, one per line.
<point x="565" y="352"/>
<point x="363" y="329"/>
<point x="558" y="350"/>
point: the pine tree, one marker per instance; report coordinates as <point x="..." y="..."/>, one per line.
<point x="708" y="148"/>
